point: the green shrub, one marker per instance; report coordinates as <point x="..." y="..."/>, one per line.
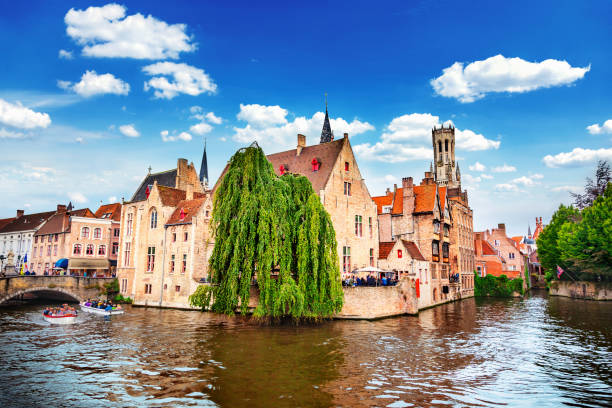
<point x="497" y="286"/>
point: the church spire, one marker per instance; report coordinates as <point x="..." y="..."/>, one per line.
<point x="204" y="168"/>
<point x="326" y="132"/>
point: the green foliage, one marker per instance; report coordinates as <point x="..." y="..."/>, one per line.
<point x="201" y="297"/>
<point x="497" y="286"/>
<point x="110" y="288"/>
<point x="276" y="230"/>
<point x="579" y="242"/>
<point x="121" y="299"/>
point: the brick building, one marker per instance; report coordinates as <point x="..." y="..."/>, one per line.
<point x="510" y="261"/>
<point x="165" y="239"/>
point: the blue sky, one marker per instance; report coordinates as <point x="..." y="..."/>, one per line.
<point x="92" y="93"/>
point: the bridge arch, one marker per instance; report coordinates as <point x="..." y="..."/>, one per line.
<point x="41" y="289"/>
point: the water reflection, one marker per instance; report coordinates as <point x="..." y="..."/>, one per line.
<point x="532" y="352"/>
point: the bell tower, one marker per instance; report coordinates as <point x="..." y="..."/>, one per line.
<point x="446" y="170"/>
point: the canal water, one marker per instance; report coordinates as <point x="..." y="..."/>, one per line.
<point x="538" y="351"/>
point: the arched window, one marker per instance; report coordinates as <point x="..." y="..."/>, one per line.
<point x="102" y="250"/>
<point x="76" y="250"/>
<point x="85" y="232"/>
<point x="97" y="233"/>
<point x="153" y="219"/>
<point x="89" y="249"/>
<point x="439" y="147"/>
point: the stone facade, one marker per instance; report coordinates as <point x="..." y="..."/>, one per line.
<point x="462" y="244"/>
<point x="446" y="170"/>
<point x="165" y="242"/>
<point x="362" y="302"/>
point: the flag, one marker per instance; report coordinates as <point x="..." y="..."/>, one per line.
<point x="559" y="272"/>
<point x="25" y="262"/>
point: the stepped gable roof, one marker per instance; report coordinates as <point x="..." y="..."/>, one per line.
<point x="325" y="153"/>
<point x="425" y="198"/>
<point x="27" y="222"/>
<point x="164" y="178"/>
<point x="189" y="207"/>
<point x="60" y="222"/>
<point x="382" y="201"/>
<point x="384" y="249"/>
<point x="170" y="196"/>
<point x="109" y="211"/>
<point x="413" y="250"/>
<point x="5" y="221"/>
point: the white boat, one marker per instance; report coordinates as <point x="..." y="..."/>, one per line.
<point x="65" y="319"/>
<point x="101" y="312"/>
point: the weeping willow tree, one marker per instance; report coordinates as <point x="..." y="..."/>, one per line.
<point x="273" y="229"/>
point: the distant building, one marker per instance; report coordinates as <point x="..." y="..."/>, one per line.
<point x="510" y="261"/>
<point x="17" y="235"/>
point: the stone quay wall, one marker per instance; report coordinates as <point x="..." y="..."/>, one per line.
<point x="582" y="290"/>
<point x="365" y="302"/>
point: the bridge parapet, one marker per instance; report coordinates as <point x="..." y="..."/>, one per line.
<point x="77" y="287"/>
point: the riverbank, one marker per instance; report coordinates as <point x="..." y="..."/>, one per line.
<point x="582" y="290"/>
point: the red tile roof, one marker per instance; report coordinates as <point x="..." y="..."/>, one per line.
<point x="413" y="250"/>
<point x="5" y="221"/>
<point x="382" y="201"/>
<point x="384" y="249"/>
<point x="425" y="198"/>
<point x="27" y="222"/>
<point x="60" y="222"/>
<point x="170" y="196"/>
<point x="114" y="211"/>
<point x="442" y="194"/>
<point x="517" y="239"/>
<point x="189" y="207"/>
<point x="398" y="202"/>
<point x="487" y="249"/>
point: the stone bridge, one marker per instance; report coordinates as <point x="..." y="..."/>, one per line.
<point x="76" y="288"/>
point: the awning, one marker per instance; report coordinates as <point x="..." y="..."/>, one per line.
<point x="62" y="263"/>
<point x="369" y="269"/>
<point x="85" y="263"/>
<point x="113" y="262"/>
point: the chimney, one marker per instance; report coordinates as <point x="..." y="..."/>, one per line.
<point x="20" y="213"/>
<point x="388" y="191"/>
<point x="408" y="195"/>
<point x="502" y="227"/>
<point x="61" y="208"/>
<point x="301" y="143"/>
<point x="346" y="135"/>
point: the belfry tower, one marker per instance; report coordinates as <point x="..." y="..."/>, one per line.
<point x="446" y="169"/>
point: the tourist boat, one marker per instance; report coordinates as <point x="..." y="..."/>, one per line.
<point x="64" y="319"/>
<point x="102" y="312"/>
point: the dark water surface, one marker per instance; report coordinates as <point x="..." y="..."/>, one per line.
<point x="540" y="351"/>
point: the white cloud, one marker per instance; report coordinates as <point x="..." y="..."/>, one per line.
<point x="112" y="199"/>
<point x="577" y="157"/>
<point x="595" y="129"/>
<point x="477" y="167"/>
<point x="507" y="187"/>
<point x="571" y="189"/>
<point x="269" y="126"/>
<point x="201" y="128"/>
<point x="93" y="84"/>
<point x="504" y="169"/>
<point x="261" y="116"/>
<point x="214" y="119"/>
<point x="471" y="180"/>
<point x="79" y="140"/>
<point x="65" y="54"/>
<point x="501" y="74"/>
<point x="9" y="134"/>
<point x="409" y="136"/>
<point x="77" y="197"/>
<point x="21" y="117"/>
<point x="107" y="32"/>
<point x="181" y="136"/>
<point x="129" y="130"/>
<point x="486" y="176"/>
<point x="527" y="181"/>
<point x="185" y="79"/>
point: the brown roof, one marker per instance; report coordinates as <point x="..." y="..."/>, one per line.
<point x="384" y="249"/>
<point x="60" y="222"/>
<point x="170" y="196"/>
<point x="189" y="207"/>
<point x="27" y="222"/>
<point x="487" y="249"/>
<point x="114" y="211"/>
<point x="413" y="250"/>
<point x="5" y="221"/>
<point x="442" y="193"/>
<point x="325" y="153"/>
<point x="425" y="198"/>
<point x="398" y="202"/>
<point x="382" y="201"/>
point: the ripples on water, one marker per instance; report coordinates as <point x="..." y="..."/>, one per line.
<point x="532" y="352"/>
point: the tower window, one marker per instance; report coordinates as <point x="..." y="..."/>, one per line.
<point x="440" y="147"/>
<point x="346" y="166"/>
<point x="446" y="145"/>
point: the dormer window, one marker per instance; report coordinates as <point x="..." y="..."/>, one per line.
<point x="346" y="166"/>
<point x="315" y="164"/>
